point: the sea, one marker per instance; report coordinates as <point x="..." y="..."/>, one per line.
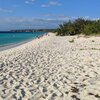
<point x="8" y="38"/>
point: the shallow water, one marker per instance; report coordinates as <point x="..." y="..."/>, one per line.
<point x="12" y="38"/>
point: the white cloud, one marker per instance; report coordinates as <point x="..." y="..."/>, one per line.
<point x="44" y="5"/>
<point x="52" y="21"/>
<point x="10" y="23"/>
<point x="51" y="3"/>
<point x="29" y="2"/>
<point x="60" y="17"/>
<point x="54" y="3"/>
<point x="5" y="10"/>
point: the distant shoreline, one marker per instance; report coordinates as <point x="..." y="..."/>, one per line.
<point x="27" y="30"/>
<point x="12" y="32"/>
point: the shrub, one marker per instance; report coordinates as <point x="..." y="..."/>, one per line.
<point x="79" y="26"/>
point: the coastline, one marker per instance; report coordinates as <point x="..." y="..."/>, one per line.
<point x="12" y="45"/>
<point x="51" y="68"/>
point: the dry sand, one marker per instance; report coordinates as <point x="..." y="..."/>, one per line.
<point x="51" y="68"/>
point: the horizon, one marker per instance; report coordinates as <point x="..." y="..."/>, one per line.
<point x="36" y="14"/>
<point x="28" y="30"/>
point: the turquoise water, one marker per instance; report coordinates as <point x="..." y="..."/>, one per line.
<point x="12" y="38"/>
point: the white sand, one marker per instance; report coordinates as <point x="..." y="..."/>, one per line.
<point x="51" y="68"/>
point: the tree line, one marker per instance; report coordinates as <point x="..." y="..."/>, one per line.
<point x="79" y="26"/>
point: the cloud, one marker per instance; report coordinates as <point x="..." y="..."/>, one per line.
<point x="29" y="2"/>
<point x="10" y="23"/>
<point x="5" y="10"/>
<point x="54" y="3"/>
<point x="48" y="4"/>
<point x="51" y="3"/>
<point x="54" y="15"/>
<point x="61" y="17"/>
<point x="52" y="21"/>
<point x="44" y="5"/>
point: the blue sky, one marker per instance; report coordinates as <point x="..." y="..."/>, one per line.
<point x="22" y="14"/>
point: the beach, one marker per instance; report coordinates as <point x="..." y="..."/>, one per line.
<point x="51" y="68"/>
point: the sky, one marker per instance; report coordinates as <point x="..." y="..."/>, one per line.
<point x="32" y="14"/>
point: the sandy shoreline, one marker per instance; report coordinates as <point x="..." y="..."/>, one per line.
<point x="9" y="46"/>
<point x="51" y="68"/>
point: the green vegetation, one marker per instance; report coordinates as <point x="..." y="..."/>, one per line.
<point x="79" y="26"/>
